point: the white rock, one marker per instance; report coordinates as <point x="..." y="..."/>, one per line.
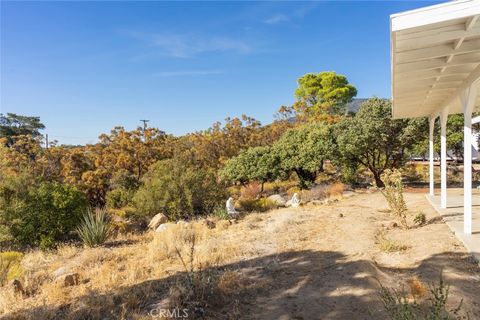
<point x="231" y="208"/>
<point x="60" y="272"/>
<point x="294" y="202"/>
<point x="164" y="226"/>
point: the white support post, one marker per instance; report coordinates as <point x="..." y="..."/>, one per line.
<point x="443" y="158"/>
<point x="430" y="155"/>
<point x="467" y="99"/>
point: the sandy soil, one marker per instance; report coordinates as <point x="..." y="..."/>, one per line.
<point x="324" y="266"/>
<point x="313" y="262"/>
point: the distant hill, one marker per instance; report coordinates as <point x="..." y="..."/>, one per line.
<point x="354" y="106"/>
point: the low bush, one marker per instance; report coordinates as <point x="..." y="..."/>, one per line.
<point x="256" y="205"/>
<point x="293" y="190"/>
<point x="251" y="190"/>
<point x="393" y="193"/>
<point x="179" y="190"/>
<point x="119" y="198"/>
<point x="318" y="192"/>
<point x="221" y="213"/>
<point x="10" y="267"/>
<point x="389" y="245"/>
<point x="336" y="189"/>
<point x="420" y="219"/>
<point x="95" y="228"/>
<point x="37" y="213"/>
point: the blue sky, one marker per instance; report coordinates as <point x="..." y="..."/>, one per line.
<point x="85" y="67"/>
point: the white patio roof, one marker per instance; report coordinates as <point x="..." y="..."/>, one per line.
<point x="435" y="56"/>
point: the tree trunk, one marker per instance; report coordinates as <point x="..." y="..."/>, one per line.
<point x="378" y="181"/>
<point x="321" y="168"/>
<point x="306" y="178"/>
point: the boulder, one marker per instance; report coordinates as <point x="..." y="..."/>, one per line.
<point x="278" y="200"/>
<point x="157" y="220"/>
<point x="163" y="227"/>
<point x="209" y="223"/>
<point x="294" y="202"/>
<point x="60" y="272"/>
<point x="230" y="206"/>
<point x="17" y="287"/>
<point x="69" y="279"/>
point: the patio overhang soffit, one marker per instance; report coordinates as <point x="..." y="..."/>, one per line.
<point x="435" y="56"/>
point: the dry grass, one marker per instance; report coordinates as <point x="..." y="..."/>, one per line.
<point x="153" y="256"/>
<point x="387" y="244"/>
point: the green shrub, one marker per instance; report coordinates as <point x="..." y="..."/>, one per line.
<point x="119" y="198"/>
<point x="179" y="190"/>
<point x="37" y="213"/>
<point x="420" y="219"/>
<point x="256" y="205"/>
<point x="10" y="267"/>
<point x="95" y="228"/>
<point x="221" y="213"/>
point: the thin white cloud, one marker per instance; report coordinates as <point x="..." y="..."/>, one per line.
<point x="183" y="73"/>
<point x="278" y="18"/>
<point x="188" y="45"/>
<point x="293" y="15"/>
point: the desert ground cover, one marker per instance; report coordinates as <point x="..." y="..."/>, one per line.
<point x="314" y="262"/>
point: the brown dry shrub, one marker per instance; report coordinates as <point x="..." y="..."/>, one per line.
<point x="417" y="288"/>
<point x="251" y="190"/>
<point x="293" y="190"/>
<point x="318" y="192"/>
<point x="336" y="189"/>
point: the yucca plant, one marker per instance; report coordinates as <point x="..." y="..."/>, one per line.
<point x="95" y="228"/>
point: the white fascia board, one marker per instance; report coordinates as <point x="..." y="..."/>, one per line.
<point x="434" y="14"/>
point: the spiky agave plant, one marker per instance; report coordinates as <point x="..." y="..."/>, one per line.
<point x="95" y="228"/>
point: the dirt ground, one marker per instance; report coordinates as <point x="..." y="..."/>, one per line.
<point x="312" y="262"/>
<point x="327" y="261"/>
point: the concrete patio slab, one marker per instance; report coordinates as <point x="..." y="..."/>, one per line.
<point x="453" y="217"/>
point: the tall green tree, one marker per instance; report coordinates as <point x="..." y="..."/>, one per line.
<point x="12" y="125"/>
<point x="323" y="95"/>
<point x="375" y="140"/>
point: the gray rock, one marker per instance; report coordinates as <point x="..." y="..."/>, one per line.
<point x="60" y="272"/>
<point x="277" y="199"/>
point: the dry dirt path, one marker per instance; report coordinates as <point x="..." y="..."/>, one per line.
<point x="324" y="262"/>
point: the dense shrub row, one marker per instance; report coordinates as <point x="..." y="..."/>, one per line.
<point x="46" y="193"/>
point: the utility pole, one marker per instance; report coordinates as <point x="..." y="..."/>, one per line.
<point x="144" y="124"/>
<point x="144" y="127"/>
<point x="46" y="141"/>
